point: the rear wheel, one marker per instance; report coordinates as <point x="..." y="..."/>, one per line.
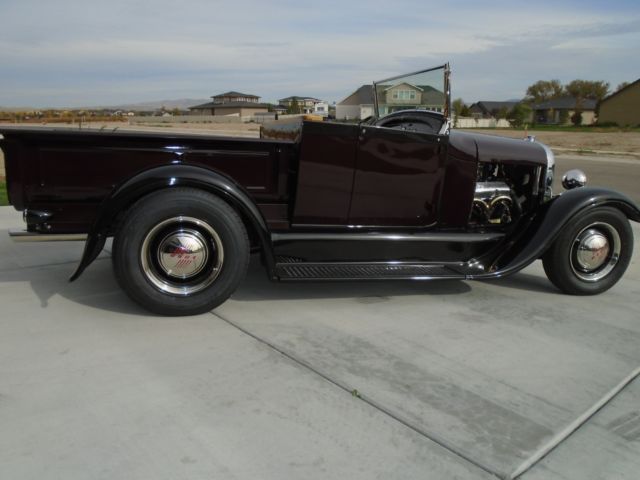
<point x="180" y="252"/>
<point x="591" y="253"/>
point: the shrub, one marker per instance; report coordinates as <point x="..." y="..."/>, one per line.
<point x="519" y="114"/>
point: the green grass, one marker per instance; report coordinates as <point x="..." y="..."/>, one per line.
<point x="571" y="128"/>
<point x="3" y="194"/>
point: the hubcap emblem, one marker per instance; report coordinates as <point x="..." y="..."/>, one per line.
<point x="183" y="254"/>
<point x="593" y="250"/>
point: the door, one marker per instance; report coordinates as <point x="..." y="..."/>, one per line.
<point x="398" y="177"/>
<point x="325" y="175"/>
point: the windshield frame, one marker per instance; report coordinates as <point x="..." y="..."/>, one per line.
<point x="447" y="88"/>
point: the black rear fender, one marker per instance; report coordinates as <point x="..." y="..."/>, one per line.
<point x="171" y="176"/>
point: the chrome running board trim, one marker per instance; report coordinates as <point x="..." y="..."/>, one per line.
<point x="25" y="236"/>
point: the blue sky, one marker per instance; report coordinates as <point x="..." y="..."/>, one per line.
<point x="86" y="52"/>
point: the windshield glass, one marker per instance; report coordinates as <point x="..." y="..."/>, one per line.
<point x="424" y="90"/>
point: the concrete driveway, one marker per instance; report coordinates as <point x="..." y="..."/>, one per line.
<point x="434" y="380"/>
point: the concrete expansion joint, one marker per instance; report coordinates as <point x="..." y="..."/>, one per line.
<point x="354" y="392"/>
<point x="566" y="432"/>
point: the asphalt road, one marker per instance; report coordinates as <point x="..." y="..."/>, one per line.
<point x="437" y="380"/>
<point x="615" y="172"/>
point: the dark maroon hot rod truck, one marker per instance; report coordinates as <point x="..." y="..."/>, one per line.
<point x="399" y="195"/>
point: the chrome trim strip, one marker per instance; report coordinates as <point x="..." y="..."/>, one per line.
<point x="417" y="237"/>
<point x="25" y="236"/>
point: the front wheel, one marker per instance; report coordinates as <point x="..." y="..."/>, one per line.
<point x="180" y="252"/>
<point x="591" y="253"/>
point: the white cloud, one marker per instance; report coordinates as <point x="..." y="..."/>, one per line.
<point x="74" y="52"/>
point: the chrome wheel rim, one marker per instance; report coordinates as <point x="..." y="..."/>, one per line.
<point x="595" y="252"/>
<point x="181" y="255"/>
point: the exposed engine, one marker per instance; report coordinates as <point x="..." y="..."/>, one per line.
<point x="500" y="197"/>
<point x="492" y="204"/>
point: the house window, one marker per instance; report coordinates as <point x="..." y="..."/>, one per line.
<point x="404" y="95"/>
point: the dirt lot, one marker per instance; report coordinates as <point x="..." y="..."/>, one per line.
<point x="588" y="142"/>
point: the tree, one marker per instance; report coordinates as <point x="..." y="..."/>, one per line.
<point x="543" y="90"/>
<point x="576" y="118"/>
<point x="586" y="89"/>
<point x="520" y="114"/>
<point x="294" y="107"/>
<point x="501" y="113"/>
<point x="458" y="108"/>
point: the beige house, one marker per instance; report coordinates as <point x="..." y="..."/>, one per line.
<point x="622" y="107"/>
<point x="231" y="104"/>
<point x="305" y="104"/>
<point x="404" y="96"/>
<point x="391" y="98"/>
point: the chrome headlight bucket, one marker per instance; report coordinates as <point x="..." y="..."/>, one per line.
<point x="574" y="179"/>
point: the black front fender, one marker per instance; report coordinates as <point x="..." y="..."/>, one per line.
<point x="171" y="176"/>
<point x="546" y="224"/>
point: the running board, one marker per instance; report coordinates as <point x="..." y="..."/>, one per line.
<point x="366" y="271"/>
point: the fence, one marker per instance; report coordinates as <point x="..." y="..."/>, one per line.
<point x="464" y="122"/>
<point x="259" y="118"/>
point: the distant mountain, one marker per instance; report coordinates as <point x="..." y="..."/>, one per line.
<point x="182" y="104"/>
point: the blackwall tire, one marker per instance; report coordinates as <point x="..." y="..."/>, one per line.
<point x="180" y="251"/>
<point x="591" y="253"/>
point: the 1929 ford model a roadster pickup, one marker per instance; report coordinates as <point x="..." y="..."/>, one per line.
<point x="398" y="196"/>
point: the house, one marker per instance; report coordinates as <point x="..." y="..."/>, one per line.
<point x="405" y="96"/>
<point x="358" y="105"/>
<point x="279" y="109"/>
<point x="622" y="107"/>
<point x="321" y="109"/>
<point x="559" y="111"/>
<point x="391" y="98"/>
<point x="305" y="104"/>
<point x="231" y="104"/>
<point x="491" y="109"/>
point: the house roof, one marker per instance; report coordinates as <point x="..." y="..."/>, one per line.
<point x="565" y="103"/>
<point x="489" y="106"/>
<point x="362" y="96"/>
<point x="235" y="94"/>
<point x="432" y="96"/>
<point x="229" y="105"/>
<point x="296" y="97"/>
<point x="632" y="84"/>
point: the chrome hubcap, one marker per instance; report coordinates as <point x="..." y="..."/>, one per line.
<point x="593" y="249"/>
<point x="181" y="255"/>
<point x="595" y="252"/>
